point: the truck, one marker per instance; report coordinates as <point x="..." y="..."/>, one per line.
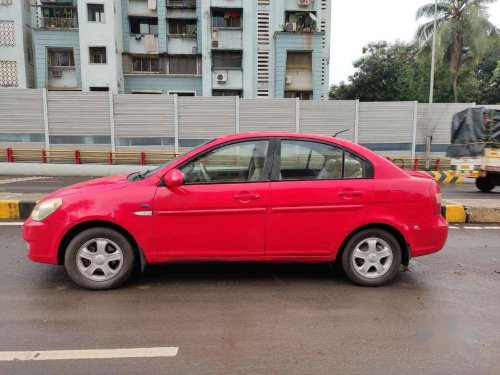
<point x="475" y="146"/>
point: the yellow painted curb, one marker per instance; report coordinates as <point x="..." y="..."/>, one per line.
<point x="455" y="213"/>
<point x="9" y="209"/>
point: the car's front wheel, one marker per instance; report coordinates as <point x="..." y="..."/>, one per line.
<point x="99" y="258"/>
<point x="372" y="257"/>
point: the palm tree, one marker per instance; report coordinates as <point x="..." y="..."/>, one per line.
<point x="463" y="32"/>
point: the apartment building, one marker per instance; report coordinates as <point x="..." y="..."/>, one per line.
<point x="77" y="44"/>
<point x="16" y="58"/>
<point x="245" y="48"/>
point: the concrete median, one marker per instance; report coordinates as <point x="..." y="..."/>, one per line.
<point x="15" y="209"/>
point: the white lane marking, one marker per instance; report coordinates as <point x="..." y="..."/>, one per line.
<point x="89" y="354"/>
<point x="476" y="228"/>
<point x="11" y="223"/>
<point x="22" y="179"/>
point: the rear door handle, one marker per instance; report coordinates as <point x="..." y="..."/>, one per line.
<point x="350" y="193"/>
<point x="246" y="197"/>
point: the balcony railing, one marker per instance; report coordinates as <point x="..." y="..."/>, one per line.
<point x="58" y="23"/>
<point x="186" y="4"/>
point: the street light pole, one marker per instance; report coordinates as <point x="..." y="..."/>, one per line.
<point x="431" y="92"/>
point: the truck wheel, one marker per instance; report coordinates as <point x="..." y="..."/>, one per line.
<point x="485" y="184"/>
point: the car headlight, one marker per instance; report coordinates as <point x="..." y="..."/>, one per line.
<point x="44" y="209"/>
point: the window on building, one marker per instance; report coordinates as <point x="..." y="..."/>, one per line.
<point x="8" y="74"/>
<point x="95" y="13"/>
<point x="302" y="95"/>
<point x="99" y="88"/>
<point x="183" y="93"/>
<point x="97" y="55"/>
<point x="7" y="33"/>
<point x="227" y="59"/>
<point x="144" y="25"/>
<point x="299" y="60"/>
<point x="238" y="93"/>
<point x="61" y="57"/>
<point x="183" y="65"/>
<point x="226" y="19"/>
<point x="182" y="27"/>
<point x="146" y="64"/>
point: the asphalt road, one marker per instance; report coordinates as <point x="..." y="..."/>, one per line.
<point x="45" y="186"/>
<point x="440" y="318"/>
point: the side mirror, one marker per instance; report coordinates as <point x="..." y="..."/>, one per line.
<point x="174" y="178"/>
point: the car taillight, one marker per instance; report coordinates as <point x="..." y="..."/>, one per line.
<point x="435" y="192"/>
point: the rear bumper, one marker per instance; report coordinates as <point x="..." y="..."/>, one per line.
<point x="428" y="238"/>
<point x="43" y="239"/>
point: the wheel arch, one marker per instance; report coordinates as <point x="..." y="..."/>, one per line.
<point x="405" y="247"/>
<point x="80" y="227"/>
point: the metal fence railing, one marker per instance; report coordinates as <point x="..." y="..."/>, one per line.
<point x="33" y="155"/>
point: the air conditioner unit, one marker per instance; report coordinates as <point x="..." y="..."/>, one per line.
<point x="215" y="44"/>
<point x="221" y="77"/>
<point x="304" y="2"/>
<point x="56" y="73"/>
<point x="288" y="80"/>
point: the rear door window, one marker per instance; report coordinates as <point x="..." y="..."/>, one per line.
<point x="308" y="160"/>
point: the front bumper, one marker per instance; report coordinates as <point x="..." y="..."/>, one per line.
<point x="43" y="239"/>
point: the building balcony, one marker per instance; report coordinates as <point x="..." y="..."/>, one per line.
<point x="230" y="39"/>
<point x="181" y="4"/>
<point x="141" y="8"/>
<point x="182" y="45"/>
<point x="62" y="78"/>
<point x="227" y="79"/>
<point x="301" y="22"/>
<point x="143" y="43"/>
<point x="55" y="15"/>
<point x="226" y="3"/>
<point x="57" y="23"/>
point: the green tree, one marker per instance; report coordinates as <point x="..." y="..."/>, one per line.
<point x="464" y="34"/>
<point x="385" y="72"/>
<point x="397" y="72"/>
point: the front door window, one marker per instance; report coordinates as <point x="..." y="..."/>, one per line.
<point x="235" y="163"/>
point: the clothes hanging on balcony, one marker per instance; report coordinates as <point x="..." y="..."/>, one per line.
<point x="150" y="43"/>
<point x="152" y="4"/>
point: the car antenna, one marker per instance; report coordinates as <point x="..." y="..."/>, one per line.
<point x="340" y="132"/>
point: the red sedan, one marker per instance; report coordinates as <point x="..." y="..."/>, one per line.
<point x="266" y="197"/>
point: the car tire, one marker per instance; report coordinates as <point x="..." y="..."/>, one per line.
<point x="485" y="184"/>
<point x="372" y="257"/>
<point x="99" y="258"/>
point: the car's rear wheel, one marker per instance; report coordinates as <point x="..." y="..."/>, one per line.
<point x="372" y="257"/>
<point x="99" y="258"/>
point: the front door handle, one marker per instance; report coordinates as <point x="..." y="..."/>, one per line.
<point x="350" y="193"/>
<point x="246" y="197"/>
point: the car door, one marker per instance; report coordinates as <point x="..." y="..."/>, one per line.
<point x="220" y="210"/>
<point x="317" y="191"/>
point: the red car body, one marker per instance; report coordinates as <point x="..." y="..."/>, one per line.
<point x="291" y="221"/>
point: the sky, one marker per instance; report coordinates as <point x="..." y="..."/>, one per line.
<point x="355" y="23"/>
